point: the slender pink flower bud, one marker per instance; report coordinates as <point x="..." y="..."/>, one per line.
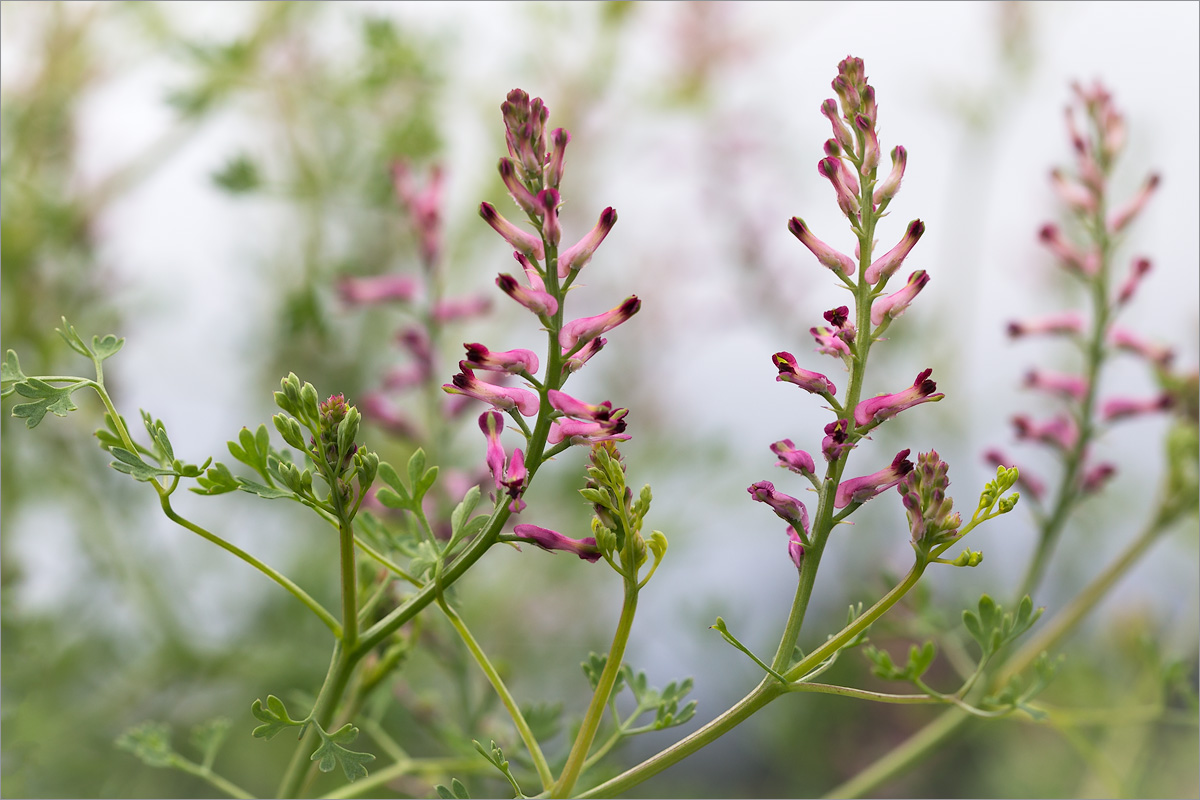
<point x="581" y="330"/>
<point x="378" y="289"/>
<point x="580" y="431"/>
<point x="841" y="133"/>
<point x="1120" y="218"/>
<point x="515" y="479"/>
<point x="1138" y="271"/>
<point x="885" y="191"/>
<point x="1125" y="339"/>
<point x="1095" y="478"/>
<point x="791" y="372"/>
<point x="552" y="540"/>
<point x="548" y="202"/>
<point x="876" y="409"/>
<point x="831" y="168"/>
<point x="521" y="195"/>
<point x="1072" y="387"/>
<point x="883" y="267"/>
<point x="860" y="490"/>
<point x="1059" y="432"/>
<point x="866" y="128"/>
<point x="797" y="461"/>
<point x="795" y="547"/>
<point x="1068" y="255"/>
<point x="576" y="362"/>
<point x="514" y="361"/>
<point x="1125" y="407"/>
<point x="559" y="137"/>
<point x="1067" y="322"/>
<point x="869" y="109"/>
<point x="1079" y="199"/>
<point x="569" y="406"/>
<point x="580" y="253"/>
<point x="454" y="308"/>
<point x="1026" y="480"/>
<point x="499" y="397"/>
<point x="895" y="304"/>
<point x="539" y="302"/>
<point x="837" y="440"/>
<point x="786" y="507"/>
<point x="838" y="262"/>
<point x="521" y="240"/>
<point x="491" y="422"/>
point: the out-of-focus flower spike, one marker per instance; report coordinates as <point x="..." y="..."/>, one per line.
<point x="886" y="190"/>
<point x="1126" y="407"/>
<point x="576" y="362"/>
<point x="1121" y="218"/>
<point x="580" y="253"/>
<point x="1125" y="339"/>
<point x="1026" y="480"/>
<point x="559" y="138"/>
<point x="886" y="406"/>
<point x="841" y="133"/>
<point x="895" y="304"/>
<point x="513" y="361"/>
<point x="1067" y="322"/>
<point x="455" y="308"/>
<point x="1059" y="432"/>
<point x="553" y="540"/>
<point x="1138" y="271"/>
<point x="1072" y="387"/>
<point x="424" y="206"/>
<point x="378" y="289"/>
<point x="521" y="195"/>
<point x="1079" y="199"/>
<point x="491" y="422"/>
<point x="884" y="266"/>
<point x="581" y="330"/>
<point x="539" y="302"/>
<point x="797" y="461"/>
<point x="548" y="200"/>
<point x="786" y="507"/>
<point x="860" y="490"/>
<point x="1068" y="255"/>
<point x="791" y="372"/>
<point x="831" y="168"/>
<point x="523" y="241"/>
<point x="836" y="261"/>
<point x="378" y="411"/>
<point x="499" y="397"/>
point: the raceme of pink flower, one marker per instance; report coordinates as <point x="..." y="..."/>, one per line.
<point x="884" y="266"/>
<point x="1028" y="482"/>
<point x="502" y="398"/>
<point x="1067" y="322"/>
<point x="1080" y="199"/>
<point x="548" y="202"/>
<point x="1125" y="407"/>
<point x="515" y="478"/>
<point x="1083" y="264"/>
<point x="1059" y="432"/>
<point x="539" y="302"/>
<point x="837" y="440"/>
<point x="841" y="133"/>
<point x="580" y="253"/>
<point x="460" y="308"/>
<point x="559" y="138"/>
<point x="1125" y="339"/>
<point x="1072" y="387"/>
<point x="553" y="540"/>
<point x="579" y="431"/>
<point x="885" y="406"/>
<point x="1138" y="271"/>
<point x="791" y="372"/>
<point x="579" y="331"/>
<point x="576" y="362"/>
<point x="378" y="289"/>
<point x="886" y="190"/>
<point x="525" y="242"/>
<point x="491" y="422"/>
<point x="786" y="507"/>
<point x="516" y="189"/>
<point x="860" y="490"/>
<point x="514" y="361"/>
<point x="895" y="304"/>
<point x="1095" y="478"/>
<point x="795" y="547"/>
<point x="831" y="168"/>
<point x="1121" y="218"/>
<point x="838" y="262"/>
<point x="797" y="461"/>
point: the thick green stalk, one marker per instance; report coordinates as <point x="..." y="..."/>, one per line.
<point x="340" y="669"/>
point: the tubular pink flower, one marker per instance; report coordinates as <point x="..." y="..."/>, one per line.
<point x="1125" y="339"/>
<point x="460" y="308"/>
<point x="559" y="138"/>
<point x="379" y="289"/>
<point x="1059" y="432"/>
<point x="894" y="304"/>
<point x="514" y="361"/>
<point x="836" y="261"/>
<point x="876" y="409"/>
<point x="1125" y="407"/>
<point x="1121" y="218"/>
<point x="580" y="253"/>
<point x="832" y="169"/>
<point x="539" y="302"/>
<point x="841" y="133"/>
<point x="521" y="195"/>
<point x="520" y="240"/>
<point x="569" y="406"/>
<point x="553" y="540"/>
<point x="515" y="478"/>
<point x="883" y="267"/>
<point x="1068" y="255"/>
<point x="860" y="490"/>
<point x="548" y="201"/>
<point x="866" y="127"/>
<point x="580" y="331"/>
<point x="491" y="422"/>
<point x="795" y="547"/>
<point x="576" y="362"/>
<point x="797" y="461"/>
<point x="1138" y="271"/>
<point x="1028" y="482"/>
<point x="1068" y="322"/>
<point x="786" y="507"/>
<point x="837" y="440"/>
<point x="585" y="432"/>
<point x="1072" y="387"/>
<point x="502" y="398"/>
<point x="1095" y="478"/>
<point x="869" y="109"/>
<point x="831" y="342"/>
<point x="790" y="372"/>
<point x="885" y="191"/>
<point x="1078" y="198"/>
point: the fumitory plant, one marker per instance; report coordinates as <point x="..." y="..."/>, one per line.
<point x="401" y="546"/>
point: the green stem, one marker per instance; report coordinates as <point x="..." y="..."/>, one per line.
<point x="206" y="774"/>
<point x="340" y="668"/>
<point x="408" y="766"/>
<point x="863" y="694"/>
<point x="349" y="585"/>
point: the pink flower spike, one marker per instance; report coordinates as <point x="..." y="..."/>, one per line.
<point x="883" y="267"/>
<point x="580" y="253"/>
<point x="860" y="490"/>
<point x="894" y="304"/>
<point x="581" y="330"/>
<point x="524" y="241"/>
<point x="795" y="547"/>
<point x="837" y="440"/>
<point x="550" y="541"/>
<point x="1068" y="255"/>
<point x="559" y="138"/>
<point x="876" y="409"/>
<point x="491" y="422"/>
<point x="1025" y="478"/>
<point x="1068" y="322"/>
<point x="838" y="262"/>
<point x="460" y="308"/>
<point x="797" y="461"/>
<point x="502" y="398"/>
<point x="379" y="289"/>
<point x="1071" y="387"/>
<point x="1126" y="214"/>
<point x="1125" y="407"/>
<point x="786" y="507"/>
<point x="1140" y="267"/>
<point x="791" y="372"/>
<point x="539" y="302"/>
<point x="548" y="202"/>
<point x="521" y="195"/>
<point x="1125" y="339"/>
<point x="1078" y="198"/>
<point x="514" y="361"/>
<point x="576" y="362"/>
<point x="891" y="184"/>
<point x="831" y="168"/>
<point x="1059" y="432"/>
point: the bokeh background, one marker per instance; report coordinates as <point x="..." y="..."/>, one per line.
<point x="197" y="176"/>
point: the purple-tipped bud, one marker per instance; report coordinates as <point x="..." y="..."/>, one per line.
<point x="931" y="517"/>
<point x="539" y="302"/>
<point x="559" y="138"/>
<point x="379" y="289"/>
<point x="1067" y="322"/>
<point x="836" y="261"/>
<point x="895" y="304"/>
<point x="569" y="406"/>
<point x="797" y="461"/>
<point x="885" y="191"/>
<point x="580" y="253"/>
<point x="1071" y="387"/>
<point x="499" y="397"/>
<point x="1095" y="478"/>
<point x="876" y="409"/>
<point x="492" y="423"/>
<point x="1026" y="480"/>
<point x="860" y="490"/>
<point x="1125" y="407"/>
<point x="579" y="431"/>
<point x="866" y="128"/>
<point x="837" y="440"/>
<point x="514" y="361"/>
<point x="786" y="507"/>
<point x="1121" y="218"/>
<point x="521" y="195"/>
<point x="1079" y="198"/>
<point x="520" y="240"/>
<point x="1125" y="339"/>
<point x="1060" y="432"/>
<point x="581" y="330"/>
<point x="795" y="547"/>
<point x="841" y="133"/>
<point x="576" y="362"/>
<point x="791" y="372"/>
<point x="832" y="169"/>
<point x="553" y="540"/>
<point x="1068" y="255"/>
<point x="1138" y="271"/>
<point x="884" y="266"/>
<point x="548" y="201"/>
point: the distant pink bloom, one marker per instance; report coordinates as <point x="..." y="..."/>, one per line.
<point x="876" y="409"/>
<point x="786" y="507"/>
<point x="552" y="540"/>
<point x="1125" y="339"/>
<point x="514" y="361"/>
<point x="895" y="304"/>
<point x="580" y="253"/>
<point x="1128" y="212"/>
<point x="890" y="185"/>
<point x="1095" y="478"/>
<point x="525" y="242"/>
<point x="1125" y="407"/>
<point x="1138" y="271"/>
<point x="1067" y="322"/>
<point x="1025" y="477"/>
<point x="836" y="261"/>
<point x="378" y="289"/>
<point x="378" y="411"/>
<point x="1059" y="432"/>
<point x="1074" y="260"/>
<point x="860" y="490"/>
<point x="807" y="380"/>
<point x="1072" y="387"/>
<point x="423" y="206"/>
<point x="797" y="461"/>
<point x="460" y="308"/>
<point x="1078" y="198"/>
<point x="884" y="266"/>
<point x="502" y="398"/>
<point x="581" y="330"/>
